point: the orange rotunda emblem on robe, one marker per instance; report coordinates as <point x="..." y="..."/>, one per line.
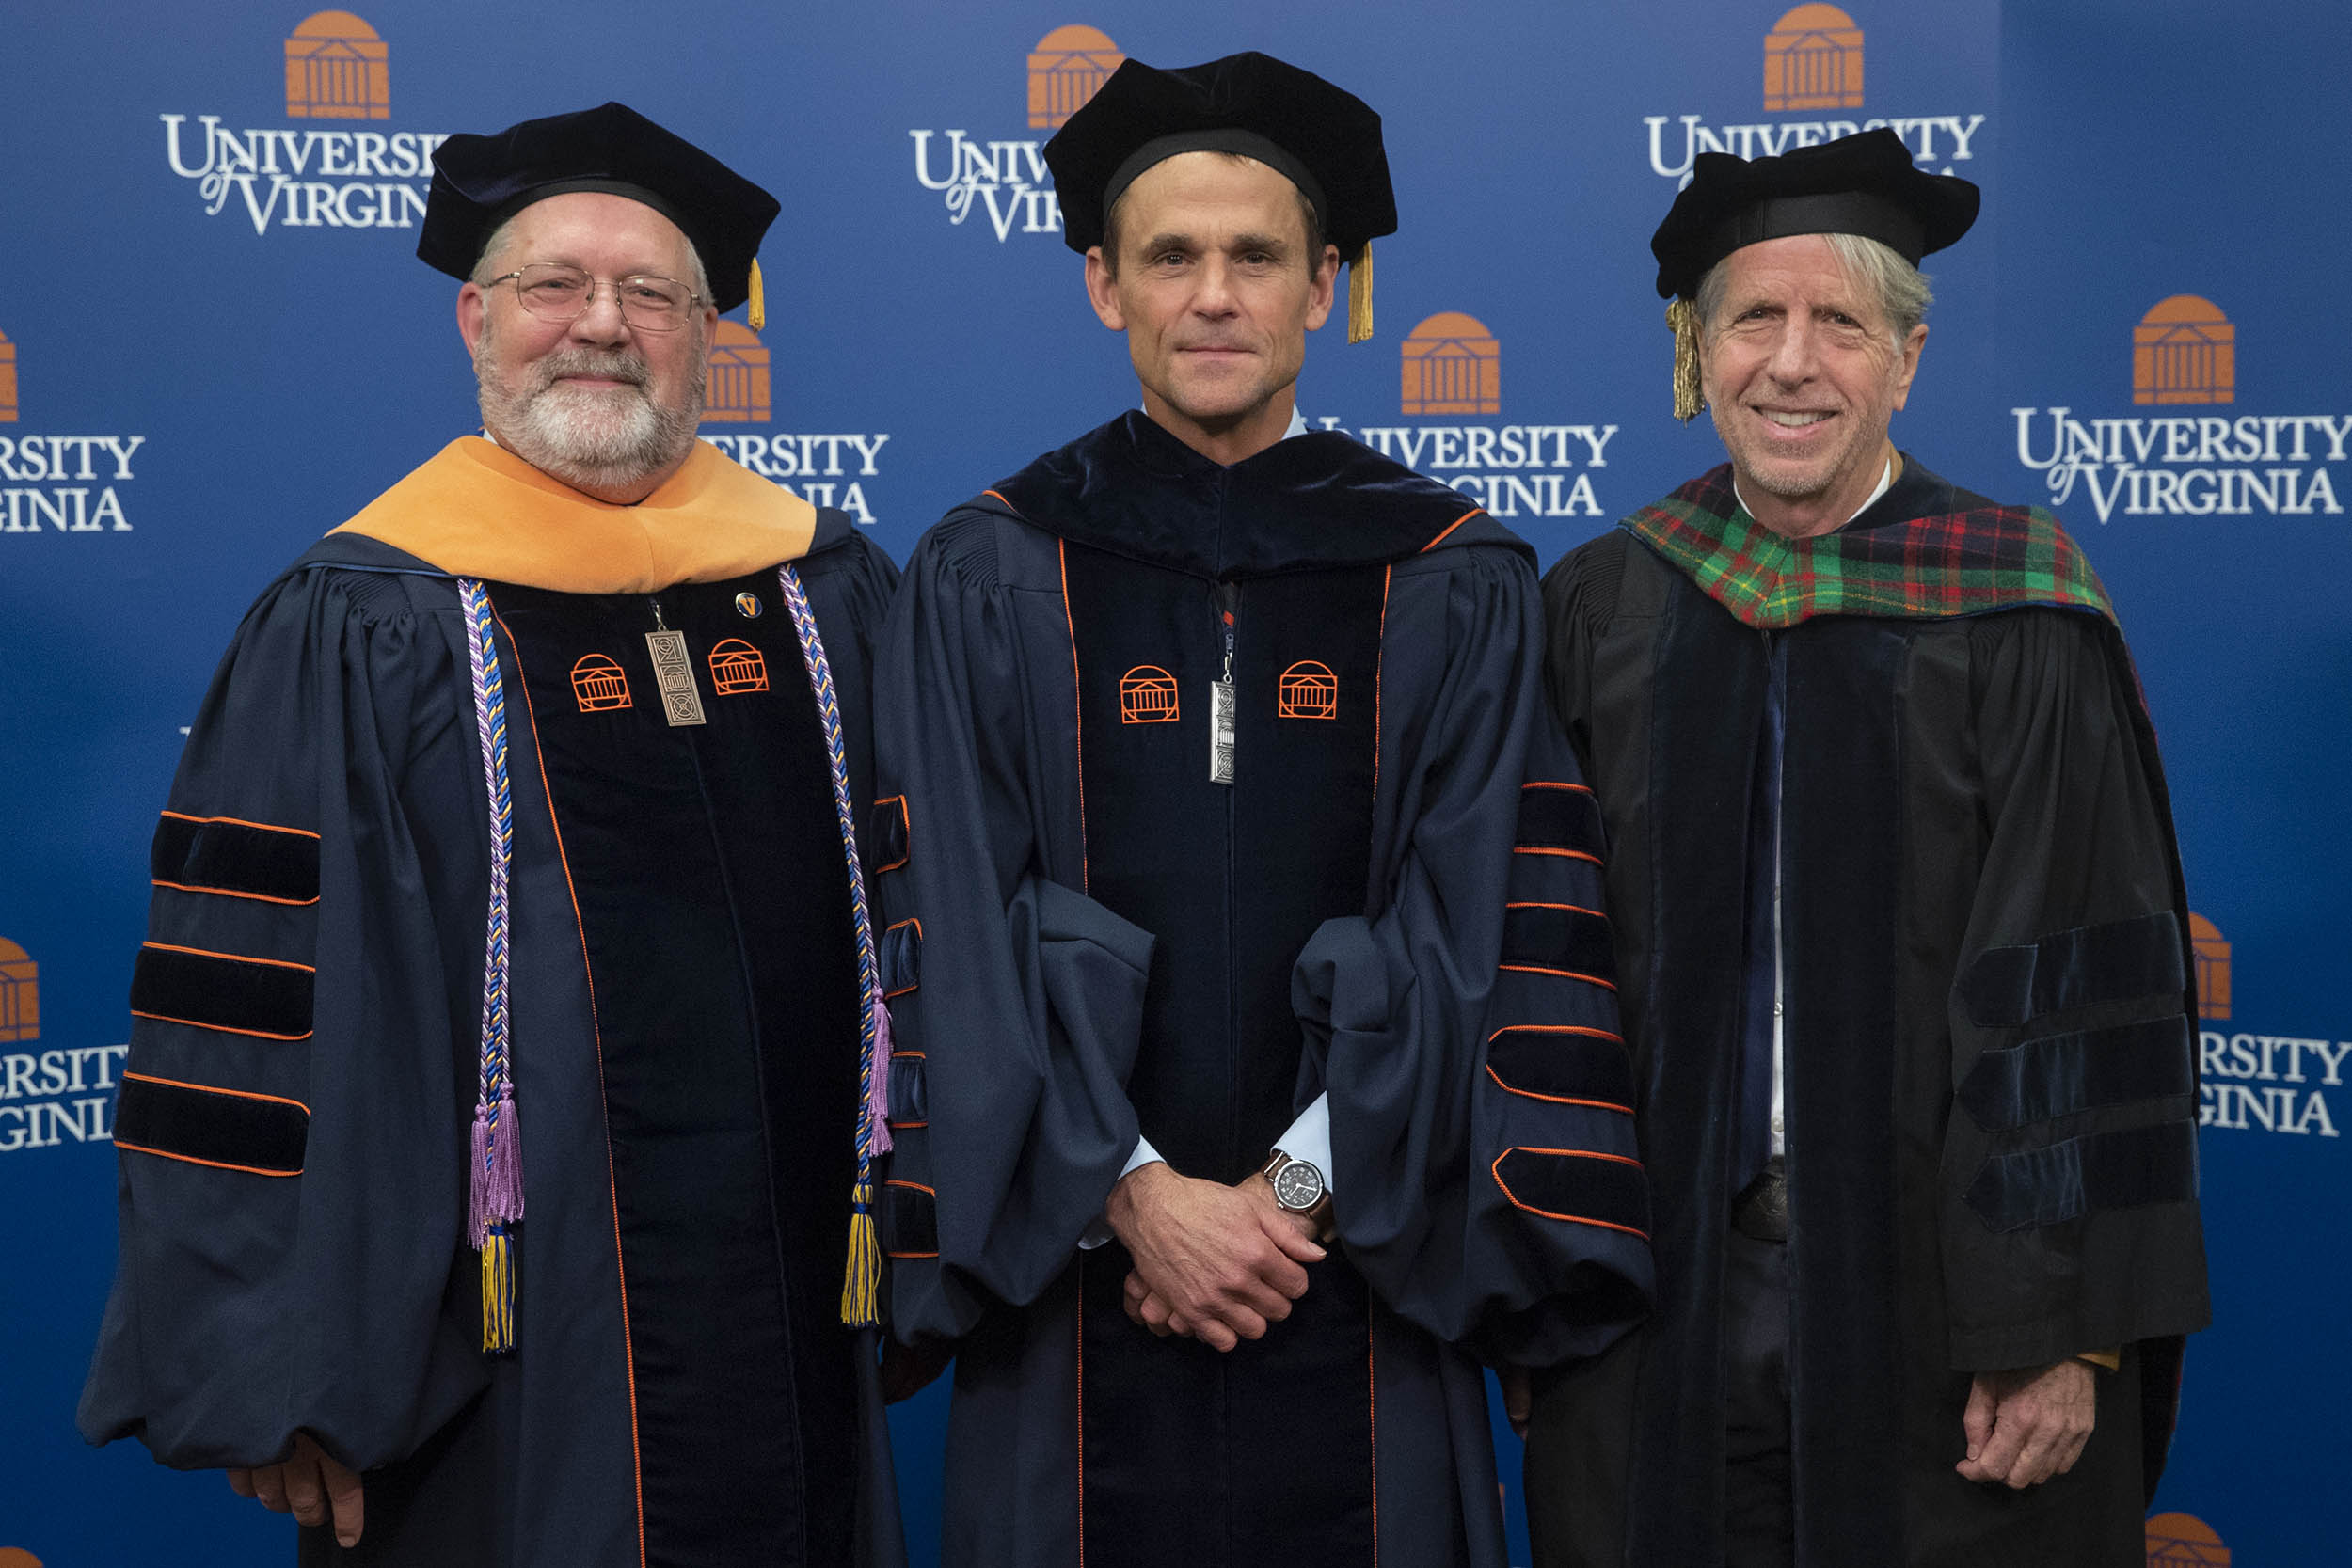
<point x="1146" y="695"/>
<point x="1065" y="69"/>
<point x="737" y="666"/>
<point x="1308" y="690"/>
<point x="337" y="69"/>
<point x="598" y="684"/>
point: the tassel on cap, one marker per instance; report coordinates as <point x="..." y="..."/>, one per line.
<point x="756" y="312"/>
<point x="1359" y="295"/>
<point x="1683" y="317"/>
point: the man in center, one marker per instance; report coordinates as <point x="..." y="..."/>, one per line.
<point x="1256" y="1071"/>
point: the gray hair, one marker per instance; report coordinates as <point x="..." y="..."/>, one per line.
<point x="1899" y="288"/>
<point x="493" y="254"/>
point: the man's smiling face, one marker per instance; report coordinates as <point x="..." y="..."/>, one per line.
<point x="1803" y="372"/>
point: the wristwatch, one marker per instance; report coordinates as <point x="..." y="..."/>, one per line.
<point x="1299" y="1188"/>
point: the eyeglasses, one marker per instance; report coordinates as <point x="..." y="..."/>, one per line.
<point x="555" y="293"/>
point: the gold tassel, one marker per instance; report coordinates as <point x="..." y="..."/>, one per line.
<point x="861" y="1284"/>
<point x="1683" y="317"/>
<point x="497" y="1293"/>
<point x="755" y="314"/>
<point x="1359" y="297"/>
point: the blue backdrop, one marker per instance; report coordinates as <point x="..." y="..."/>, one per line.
<point x="218" y="343"/>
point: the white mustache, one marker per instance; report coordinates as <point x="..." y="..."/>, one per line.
<point x="608" y="366"/>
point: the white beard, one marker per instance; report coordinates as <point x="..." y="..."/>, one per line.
<point x="610" y="437"/>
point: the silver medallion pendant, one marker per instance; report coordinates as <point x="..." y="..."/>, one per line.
<point x="1221" y="727"/>
<point x="673" y="677"/>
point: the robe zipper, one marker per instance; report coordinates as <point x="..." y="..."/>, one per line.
<point x="1227" y="616"/>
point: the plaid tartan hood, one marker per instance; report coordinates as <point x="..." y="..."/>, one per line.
<point x="1965" y="563"/>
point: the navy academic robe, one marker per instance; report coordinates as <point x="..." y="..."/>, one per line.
<point x="685" y="1008"/>
<point x="1091" y="936"/>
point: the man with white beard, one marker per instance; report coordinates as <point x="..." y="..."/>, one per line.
<point x="528" y="789"/>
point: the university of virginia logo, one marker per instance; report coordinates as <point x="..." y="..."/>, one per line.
<point x="1308" y="690"/>
<point x="598" y="686"/>
<point x="1451" y="366"/>
<point x="1065" y="69"/>
<point x="2185" y="350"/>
<point x="1812" y="63"/>
<point x="2184" y="1541"/>
<point x="1005" y="180"/>
<point x="337" y="69"/>
<point x="2251" y="1081"/>
<point x="19" y="994"/>
<point x="50" y="1096"/>
<point x="59" y="483"/>
<point x="1146" y="695"/>
<point x="338" y="72"/>
<point x="1813" y="60"/>
<point x="736" y="666"/>
<point x="823" y="471"/>
<point x="2183" y="355"/>
<point x="739" y="387"/>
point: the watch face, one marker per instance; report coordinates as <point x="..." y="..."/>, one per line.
<point x="1299" y="1186"/>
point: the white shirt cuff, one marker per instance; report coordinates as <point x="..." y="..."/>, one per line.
<point x="1309" y="1137"/>
<point x="1098" y="1231"/>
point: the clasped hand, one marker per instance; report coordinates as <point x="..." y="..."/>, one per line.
<point x="2024" y="1427"/>
<point x="308" y="1484"/>
<point x="1219" y="1263"/>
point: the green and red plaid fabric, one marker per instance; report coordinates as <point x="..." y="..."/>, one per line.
<point x="1962" y="564"/>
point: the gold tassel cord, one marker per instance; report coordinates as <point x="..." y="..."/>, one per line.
<point x="1359" y="297"/>
<point x="861" y="1283"/>
<point x="498" y="1293"/>
<point x="755" y="311"/>
<point x="1683" y="317"/>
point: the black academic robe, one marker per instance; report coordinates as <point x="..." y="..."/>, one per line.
<point x="1990" y="1091"/>
<point x="1091" y="937"/>
<point x="685" y="1012"/>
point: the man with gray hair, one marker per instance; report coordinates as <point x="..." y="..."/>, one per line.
<point x="1902" y="949"/>
<point x="526" y="796"/>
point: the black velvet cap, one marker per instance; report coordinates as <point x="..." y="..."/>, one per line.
<point x="480" y="181"/>
<point x="1863" y="185"/>
<point x="1322" y="138"/>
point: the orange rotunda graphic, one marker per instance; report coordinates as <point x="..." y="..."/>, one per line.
<point x="1452" y="365"/>
<point x="2213" y="967"/>
<point x="2184" y="351"/>
<point x="8" y="380"/>
<point x="1308" y="690"/>
<point x="739" y="378"/>
<point x="599" y="684"/>
<point x="1146" y="695"/>
<point x="19" y="994"/>
<point x="17" y="1557"/>
<point x="337" y="69"/>
<point x="737" y="666"/>
<point x="1065" y="68"/>
<point x="2184" y="1541"/>
<point x="1813" y="60"/>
